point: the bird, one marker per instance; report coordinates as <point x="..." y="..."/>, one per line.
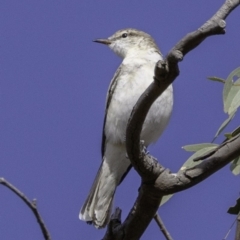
<point x="140" y="55"/>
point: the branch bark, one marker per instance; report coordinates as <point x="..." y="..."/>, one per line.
<point x="156" y="180"/>
<point x="31" y="204"/>
<point x="237" y="236"/>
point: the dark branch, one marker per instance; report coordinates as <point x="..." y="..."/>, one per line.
<point x="113" y="225"/>
<point x="165" y="73"/>
<point x="168" y="183"/>
<point x="32" y="205"/>
<point x="156" y="181"/>
<point x="237" y="236"/>
<point x="138" y="218"/>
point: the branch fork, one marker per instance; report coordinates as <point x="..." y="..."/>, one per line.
<point x="156" y="180"/>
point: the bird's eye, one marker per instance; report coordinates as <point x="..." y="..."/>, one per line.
<point x="124" y="35"/>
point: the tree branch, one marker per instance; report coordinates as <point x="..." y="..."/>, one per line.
<point x="165" y="73"/>
<point x="162" y="227"/>
<point x="169" y="183"/>
<point x="237" y="236"/>
<point x="32" y="205"/>
<point x="157" y="181"/>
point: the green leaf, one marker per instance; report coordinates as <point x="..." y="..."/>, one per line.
<point x="235" y="103"/>
<point x="224" y="124"/>
<point x="228" y="135"/>
<point x="226" y="90"/>
<point x="196" y="147"/>
<point x="217" y="79"/>
<point x="233" y="133"/>
<point x="190" y="163"/>
<point x="236" y="131"/>
<point x="235" y="166"/>
<point x="233" y="91"/>
<point x="236" y="209"/>
<point x="165" y="199"/>
<point x="227" y="87"/>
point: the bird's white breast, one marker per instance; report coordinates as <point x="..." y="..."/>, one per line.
<point x="136" y="75"/>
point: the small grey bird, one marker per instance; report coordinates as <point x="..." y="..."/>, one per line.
<point x="140" y="54"/>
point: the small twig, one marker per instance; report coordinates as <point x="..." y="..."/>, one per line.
<point x="162" y="227"/>
<point x="32" y="205"/>
<point x="230" y="229"/>
<point x="237" y="236"/>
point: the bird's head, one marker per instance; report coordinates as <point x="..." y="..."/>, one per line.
<point x="129" y="40"/>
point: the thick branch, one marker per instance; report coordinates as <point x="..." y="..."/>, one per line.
<point x="140" y="215"/>
<point x="32" y="205"/>
<point x="148" y="169"/>
<point x="157" y="182"/>
<point x="165" y="73"/>
<point x="150" y="193"/>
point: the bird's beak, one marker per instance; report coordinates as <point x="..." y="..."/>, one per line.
<point x="103" y="41"/>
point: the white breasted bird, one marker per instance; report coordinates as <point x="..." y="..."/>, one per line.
<point x="140" y="54"/>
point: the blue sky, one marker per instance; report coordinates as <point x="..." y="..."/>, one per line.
<point x="53" y="87"/>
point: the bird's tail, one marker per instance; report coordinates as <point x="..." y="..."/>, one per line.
<point x="97" y="208"/>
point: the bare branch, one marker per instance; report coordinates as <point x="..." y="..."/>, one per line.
<point x="151" y="192"/>
<point x="162" y="227"/>
<point x="32" y="205"/>
<point x="113" y="225"/>
<point x="157" y="181"/>
<point x="237" y="236"/>
<point x="165" y="73"/>
<point x="168" y="183"/>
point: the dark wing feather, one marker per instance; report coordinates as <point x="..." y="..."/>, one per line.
<point x="111" y="89"/>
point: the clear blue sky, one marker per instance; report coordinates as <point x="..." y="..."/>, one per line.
<point x="53" y="86"/>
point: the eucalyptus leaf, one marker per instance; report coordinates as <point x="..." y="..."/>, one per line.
<point x="196" y="147"/>
<point x="224" y="124"/>
<point x="231" y="95"/>
<point x="227" y="87"/>
<point x="165" y="199"/>
<point x="190" y="163"/>
<point x="235" y="132"/>
<point x="228" y="135"/>
<point x="235" y="103"/>
<point x="217" y="79"/>
<point x="235" y="166"/>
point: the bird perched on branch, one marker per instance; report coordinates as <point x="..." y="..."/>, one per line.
<point x="140" y="55"/>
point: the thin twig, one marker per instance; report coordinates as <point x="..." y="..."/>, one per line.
<point x="31" y="204"/>
<point x="162" y="227"/>
<point x="230" y="229"/>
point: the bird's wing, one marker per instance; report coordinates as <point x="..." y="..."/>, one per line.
<point x="111" y="89"/>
